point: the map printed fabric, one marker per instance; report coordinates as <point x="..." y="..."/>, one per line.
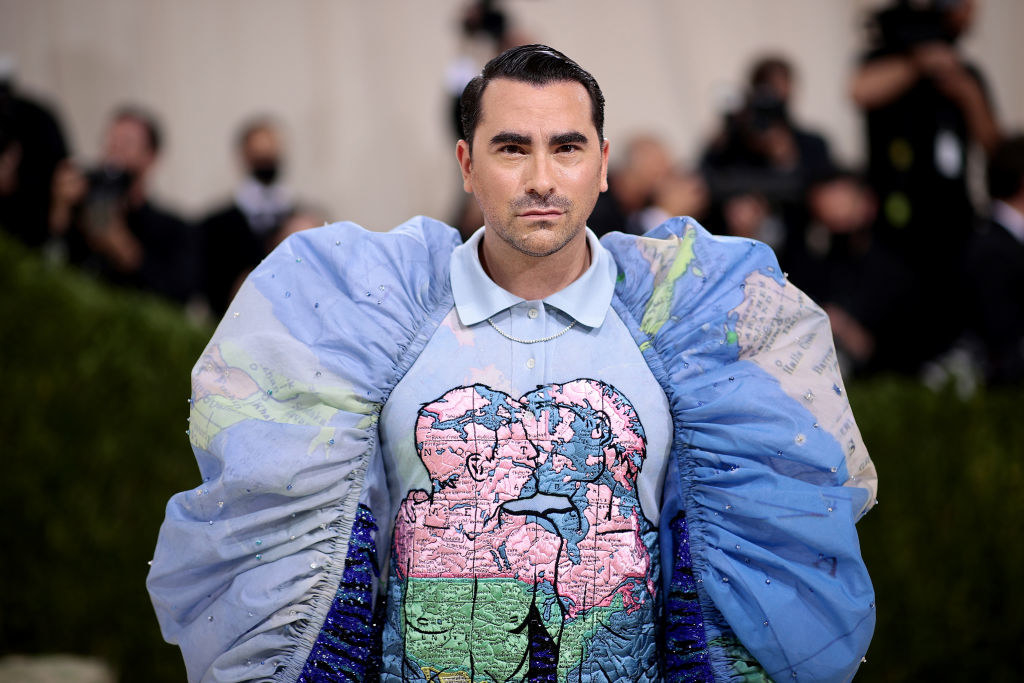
<point x="769" y="471"/>
<point x="529" y="558"/>
<point x="526" y="481"/>
<point x="767" y="475"/>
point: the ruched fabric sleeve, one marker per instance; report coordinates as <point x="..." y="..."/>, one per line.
<point x="761" y="560"/>
<point x="283" y="424"/>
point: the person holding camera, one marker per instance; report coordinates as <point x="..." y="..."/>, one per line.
<point x="924" y="107"/>
<point x="32" y="144"/>
<point x="761" y="162"/>
<point x="108" y="221"/>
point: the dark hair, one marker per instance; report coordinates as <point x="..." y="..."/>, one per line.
<point x="830" y="173"/>
<point x="1006" y="168"/>
<point x="146" y="120"/>
<point x="253" y="126"/>
<point x="763" y="68"/>
<point x="534" y="64"/>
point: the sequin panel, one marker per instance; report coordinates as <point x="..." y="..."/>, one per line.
<point x="348" y="647"/>
<point x="686" y="648"/>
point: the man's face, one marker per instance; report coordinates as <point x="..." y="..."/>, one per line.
<point x="262" y="149"/>
<point x="127" y="146"/>
<point x="536" y="166"/>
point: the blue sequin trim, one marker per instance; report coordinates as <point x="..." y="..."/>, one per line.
<point x="348" y="647"/>
<point x="686" y="649"/>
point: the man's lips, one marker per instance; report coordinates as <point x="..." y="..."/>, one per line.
<point x="541" y="213"/>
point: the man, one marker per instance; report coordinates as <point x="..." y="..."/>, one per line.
<point x="760" y="163"/>
<point x="925" y="107"/>
<point x="32" y="143"/>
<point x="112" y="225"/>
<point x="996" y="268"/>
<point x="864" y="288"/>
<point x="632" y="187"/>
<point x="566" y="460"/>
<point x="238" y="236"/>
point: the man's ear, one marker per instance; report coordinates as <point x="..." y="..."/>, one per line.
<point x="604" y="166"/>
<point x="465" y="163"/>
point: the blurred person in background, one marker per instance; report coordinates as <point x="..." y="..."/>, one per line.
<point x="761" y="161"/>
<point x="32" y="144"/>
<point x="681" y="192"/>
<point x="996" y="268"/>
<point x="485" y="29"/>
<point x="925" y="106"/>
<point x="631" y="186"/>
<point x="302" y="217"/>
<point x="237" y="236"/>
<point x="112" y="226"/>
<point x="862" y="286"/>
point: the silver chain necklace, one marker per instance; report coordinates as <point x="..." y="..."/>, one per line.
<point x="529" y="341"/>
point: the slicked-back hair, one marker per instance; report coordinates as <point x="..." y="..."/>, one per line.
<point x="534" y="64"/>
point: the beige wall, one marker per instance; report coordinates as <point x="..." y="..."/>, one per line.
<point x="359" y="84"/>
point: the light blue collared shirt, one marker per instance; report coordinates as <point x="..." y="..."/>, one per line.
<point x="478" y="298"/>
<point x="577" y="334"/>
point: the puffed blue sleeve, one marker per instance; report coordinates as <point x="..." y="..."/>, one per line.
<point x="761" y="560"/>
<point x="283" y="424"/>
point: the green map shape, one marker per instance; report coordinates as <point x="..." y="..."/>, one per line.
<point x="679" y="252"/>
<point x="451" y="621"/>
<point x="278" y="399"/>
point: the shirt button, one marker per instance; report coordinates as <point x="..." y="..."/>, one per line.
<point x="530" y="363"/>
<point x="532" y="313"/>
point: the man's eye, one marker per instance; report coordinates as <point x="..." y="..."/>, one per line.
<point x="511" y="149"/>
<point x="568" y="149"/>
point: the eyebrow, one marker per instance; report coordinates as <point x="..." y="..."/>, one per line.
<point x="510" y="138"/>
<point x="568" y="138"/>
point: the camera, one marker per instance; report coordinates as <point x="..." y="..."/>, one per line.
<point x="104" y="200"/>
<point x="764" y="110"/>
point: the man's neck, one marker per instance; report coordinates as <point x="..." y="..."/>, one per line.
<point x="534" y="277"/>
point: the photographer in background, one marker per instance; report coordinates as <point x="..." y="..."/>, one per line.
<point x="109" y="223"/>
<point x="996" y="268"/>
<point x="864" y="289"/>
<point x="238" y="235"/>
<point x="760" y="163"/>
<point x="31" y="145"/>
<point x="924" y="107"/>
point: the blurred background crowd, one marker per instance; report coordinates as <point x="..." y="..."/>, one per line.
<point x="152" y="153"/>
<point x="912" y="240"/>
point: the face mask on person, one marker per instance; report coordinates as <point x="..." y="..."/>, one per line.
<point x="265" y="171"/>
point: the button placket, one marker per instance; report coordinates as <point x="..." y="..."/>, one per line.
<point x="534" y="323"/>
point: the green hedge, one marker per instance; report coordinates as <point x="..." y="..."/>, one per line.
<point x="945" y="545"/>
<point x="95" y="384"/>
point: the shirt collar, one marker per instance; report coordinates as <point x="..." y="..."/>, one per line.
<point x="1010" y="218"/>
<point x="477" y="297"/>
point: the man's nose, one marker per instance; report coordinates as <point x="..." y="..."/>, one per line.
<point x="541" y="179"/>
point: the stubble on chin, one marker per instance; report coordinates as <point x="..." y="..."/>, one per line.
<point x="541" y="238"/>
<point x="527" y="244"/>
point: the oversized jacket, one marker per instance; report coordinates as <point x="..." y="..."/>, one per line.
<point x="267" y="569"/>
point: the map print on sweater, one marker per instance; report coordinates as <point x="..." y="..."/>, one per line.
<point x="530" y="558"/>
